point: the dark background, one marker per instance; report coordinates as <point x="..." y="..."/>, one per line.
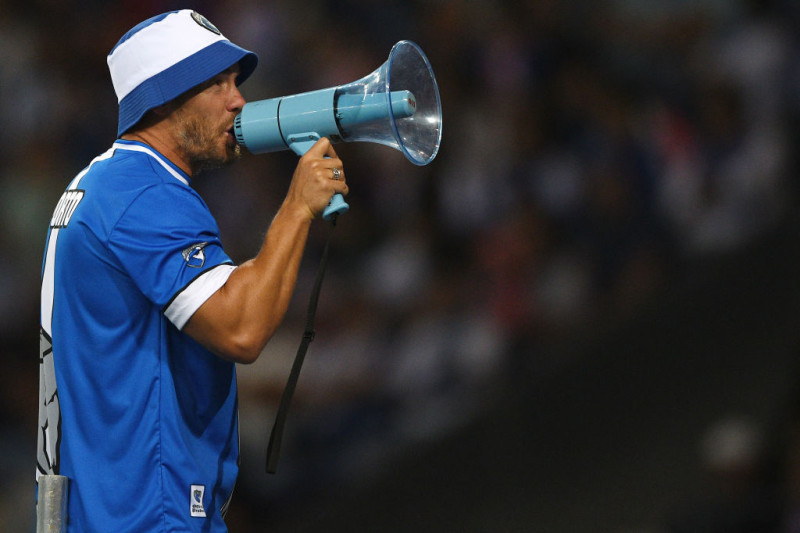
<point x="582" y="316"/>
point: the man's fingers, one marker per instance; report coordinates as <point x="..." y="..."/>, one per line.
<point x="322" y="148"/>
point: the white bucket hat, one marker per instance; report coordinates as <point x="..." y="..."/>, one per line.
<point x="167" y="55"/>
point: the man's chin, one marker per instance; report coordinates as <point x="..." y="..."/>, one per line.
<point x="211" y="163"/>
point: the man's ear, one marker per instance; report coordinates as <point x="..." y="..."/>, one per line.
<point x="155" y="115"/>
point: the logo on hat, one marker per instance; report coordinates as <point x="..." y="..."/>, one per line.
<point x="204" y="22"/>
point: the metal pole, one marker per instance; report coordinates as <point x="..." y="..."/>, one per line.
<point x="51" y="509"/>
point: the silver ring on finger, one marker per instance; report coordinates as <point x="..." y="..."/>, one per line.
<point x="337" y="174"/>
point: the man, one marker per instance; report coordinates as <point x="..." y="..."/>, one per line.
<point x="143" y="314"/>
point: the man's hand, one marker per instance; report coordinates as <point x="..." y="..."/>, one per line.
<point x="315" y="181"/>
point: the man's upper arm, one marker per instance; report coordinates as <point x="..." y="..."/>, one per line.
<point x="169" y="244"/>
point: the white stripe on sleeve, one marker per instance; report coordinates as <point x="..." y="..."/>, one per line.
<point x="185" y="304"/>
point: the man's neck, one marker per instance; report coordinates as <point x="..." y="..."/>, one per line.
<point x="160" y="141"/>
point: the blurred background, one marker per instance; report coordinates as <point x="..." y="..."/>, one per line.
<point x="581" y="317"/>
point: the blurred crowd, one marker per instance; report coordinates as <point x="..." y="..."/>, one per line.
<point x="589" y="149"/>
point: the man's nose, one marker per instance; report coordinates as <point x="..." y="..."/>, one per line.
<point x="237" y="101"/>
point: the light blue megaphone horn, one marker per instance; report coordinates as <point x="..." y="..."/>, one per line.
<point x="396" y="105"/>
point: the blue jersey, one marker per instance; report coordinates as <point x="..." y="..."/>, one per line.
<point x="139" y="416"/>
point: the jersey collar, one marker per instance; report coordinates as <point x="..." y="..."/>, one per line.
<point x="137" y="146"/>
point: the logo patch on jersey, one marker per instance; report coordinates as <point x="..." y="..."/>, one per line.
<point x="196" y="493"/>
<point x="200" y="19"/>
<point x="194" y="255"/>
<point x="66" y="207"/>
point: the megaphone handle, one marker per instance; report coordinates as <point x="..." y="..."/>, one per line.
<point x="300" y="144"/>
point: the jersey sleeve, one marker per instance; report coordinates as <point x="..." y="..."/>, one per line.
<point x="168" y="243"/>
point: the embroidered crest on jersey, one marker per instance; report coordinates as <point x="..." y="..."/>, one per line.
<point x="196" y="494"/>
<point x="204" y="22"/>
<point x="194" y="255"/>
<point x="66" y="207"/>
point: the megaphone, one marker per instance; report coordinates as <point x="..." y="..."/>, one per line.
<point x="396" y="105"/>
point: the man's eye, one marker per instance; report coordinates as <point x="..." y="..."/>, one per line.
<point x="215" y="82"/>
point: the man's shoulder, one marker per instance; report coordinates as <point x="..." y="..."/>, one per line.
<point x="134" y="162"/>
<point x="126" y="171"/>
<point x="130" y="183"/>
